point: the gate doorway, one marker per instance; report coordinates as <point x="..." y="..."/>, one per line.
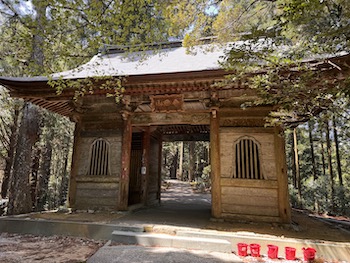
<point x="170" y="152"/>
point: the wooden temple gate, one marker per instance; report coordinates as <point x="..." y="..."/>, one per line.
<point x="117" y="147"/>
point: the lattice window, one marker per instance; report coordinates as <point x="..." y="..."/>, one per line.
<point x="99" y="158"/>
<point x="247" y="159"/>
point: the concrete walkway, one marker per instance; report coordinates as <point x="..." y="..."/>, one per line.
<point x="137" y="254"/>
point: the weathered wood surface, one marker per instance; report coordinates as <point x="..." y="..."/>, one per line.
<point x="266" y="199"/>
<point x="266" y="184"/>
<point x="145" y="170"/>
<point x="97" y="195"/>
<point x="216" y="201"/>
<point x="153" y="192"/>
<point x="256" y="210"/>
<point x="170" y="118"/>
<point x="84" y="156"/>
<point x="250" y="218"/>
<point x="263" y="136"/>
<point x="125" y="163"/>
<point x="250" y="200"/>
<point x="282" y="178"/>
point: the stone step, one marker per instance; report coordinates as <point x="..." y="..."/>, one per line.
<point x="165" y="240"/>
<point x="130" y="228"/>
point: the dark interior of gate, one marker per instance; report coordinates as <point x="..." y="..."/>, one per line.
<point x="148" y="172"/>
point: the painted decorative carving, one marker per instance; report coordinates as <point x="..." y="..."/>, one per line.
<point x="235" y="122"/>
<point x="167" y="103"/>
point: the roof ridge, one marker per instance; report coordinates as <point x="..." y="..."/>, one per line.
<point x="114" y="49"/>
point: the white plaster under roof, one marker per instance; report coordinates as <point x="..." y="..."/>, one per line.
<point x="169" y="60"/>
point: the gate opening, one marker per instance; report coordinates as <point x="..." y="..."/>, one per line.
<point x="170" y="164"/>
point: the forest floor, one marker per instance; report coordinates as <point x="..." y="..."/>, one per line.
<point x="16" y="248"/>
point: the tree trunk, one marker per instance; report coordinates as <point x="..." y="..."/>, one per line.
<point x="297" y="169"/>
<point x="19" y="196"/>
<point x="174" y="165"/>
<point x="181" y="152"/>
<point x="323" y="156"/>
<point x="294" y="169"/>
<point x="34" y="175"/>
<point x="191" y="167"/>
<point x="330" y="166"/>
<point x="11" y="152"/>
<point x="64" y="183"/>
<point x="44" y="173"/>
<point x="337" y="151"/>
<point x="37" y="55"/>
<point x="340" y="174"/>
<point x="313" y="160"/>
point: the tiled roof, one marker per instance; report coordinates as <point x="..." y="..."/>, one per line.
<point x="169" y="60"/>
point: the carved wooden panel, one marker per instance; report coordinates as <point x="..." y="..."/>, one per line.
<point x="198" y="118"/>
<point x="167" y="103"/>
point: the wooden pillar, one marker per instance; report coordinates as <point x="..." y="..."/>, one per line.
<point x="160" y="154"/>
<point x="215" y="163"/>
<point x="72" y="190"/>
<point x="282" y="178"/>
<point x="125" y="162"/>
<point x="146" y="141"/>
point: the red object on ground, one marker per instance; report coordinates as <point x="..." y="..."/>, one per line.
<point x="272" y="251"/>
<point x="290" y="253"/>
<point x="255" y="250"/>
<point x="309" y="253"/>
<point x="242" y="249"/>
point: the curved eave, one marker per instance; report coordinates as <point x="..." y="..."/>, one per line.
<point x="38" y="91"/>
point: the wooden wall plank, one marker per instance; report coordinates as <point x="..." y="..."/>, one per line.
<point x="249" y="218"/>
<point x="94" y="185"/>
<point x="250" y="210"/>
<point x="97" y="203"/>
<point x="249" y="183"/>
<point x="97" y="193"/>
<point x="236" y="199"/>
<point x="249" y="191"/>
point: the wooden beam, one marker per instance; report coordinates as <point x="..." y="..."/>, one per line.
<point x="125" y="162"/>
<point x="215" y="163"/>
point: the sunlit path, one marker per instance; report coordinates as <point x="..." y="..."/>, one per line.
<point x="180" y="206"/>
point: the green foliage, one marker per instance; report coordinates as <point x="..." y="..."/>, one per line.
<point x="200" y="166"/>
<point x="112" y="86"/>
<point x="271" y="40"/>
<point x="316" y="191"/>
